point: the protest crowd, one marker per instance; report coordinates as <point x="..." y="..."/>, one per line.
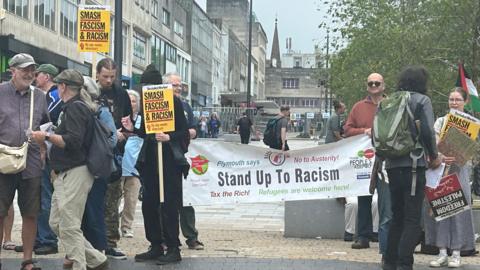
<point x="86" y="145"/>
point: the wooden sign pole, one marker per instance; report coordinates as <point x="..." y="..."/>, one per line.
<point x="160" y="171"/>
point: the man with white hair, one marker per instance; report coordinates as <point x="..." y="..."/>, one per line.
<point x="15" y="110"/>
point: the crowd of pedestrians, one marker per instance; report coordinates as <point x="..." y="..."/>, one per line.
<point x="60" y="200"/>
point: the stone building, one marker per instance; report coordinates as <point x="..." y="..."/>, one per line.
<point x="293" y="80"/>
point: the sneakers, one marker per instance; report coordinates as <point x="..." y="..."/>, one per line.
<point x="361" y="244"/>
<point x="439" y="262"/>
<point x="115" y="253"/>
<point x="152" y="254"/>
<point x="172" y="256"/>
<point x="195" y="244"/>
<point x="127" y="233"/>
<point x="454" y="262"/>
<point x="347" y="237"/>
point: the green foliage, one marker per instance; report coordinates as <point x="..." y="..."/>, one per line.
<point x="384" y="36"/>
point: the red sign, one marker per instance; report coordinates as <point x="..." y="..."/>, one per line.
<point x="448" y="198"/>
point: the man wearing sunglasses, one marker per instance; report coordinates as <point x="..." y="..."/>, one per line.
<point x="360" y="121"/>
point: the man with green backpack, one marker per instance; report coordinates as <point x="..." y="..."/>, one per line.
<point x="403" y="136"/>
<point x="275" y="134"/>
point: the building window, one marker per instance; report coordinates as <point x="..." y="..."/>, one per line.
<point x="156" y="48"/>
<point x="170" y="53"/>
<point x="290" y="83"/>
<point x="166" y="18"/>
<point x="124" y="43"/>
<point x="68" y="19"/>
<point x="44" y="13"/>
<point x="178" y="28"/>
<point x="17" y="7"/>
<point x="298" y="62"/>
<point x="155" y="8"/>
<point x="139" y="48"/>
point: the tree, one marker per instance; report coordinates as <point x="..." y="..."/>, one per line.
<point x="386" y="35"/>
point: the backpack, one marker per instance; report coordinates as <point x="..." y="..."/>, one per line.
<point x="270" y="137"/>
<point x="391" y="134"/>
<point x="99" y="150"/>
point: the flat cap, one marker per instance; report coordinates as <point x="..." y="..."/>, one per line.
<point x="70" y="77"/>
<point x="48" y="68"/>
<point x="21" y="60"/>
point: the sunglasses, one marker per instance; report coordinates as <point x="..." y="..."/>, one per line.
<point x="374" y="84"/>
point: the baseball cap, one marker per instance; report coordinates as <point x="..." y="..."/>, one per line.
<point x="21" y="60"/>
<point x="70" y="77"/>
<point x="48" y="68"/>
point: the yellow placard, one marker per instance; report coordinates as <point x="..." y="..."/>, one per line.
<point x="159" y="115"/>
<point x="93" y="28"/>
<point x="464" y="125"/>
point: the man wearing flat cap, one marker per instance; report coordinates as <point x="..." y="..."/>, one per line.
<point x="73" y="181"/>
<point x="15" y="101"/>
<point x="46" y="241"/>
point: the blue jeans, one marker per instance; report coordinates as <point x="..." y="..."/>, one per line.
<point x="45" y="235"/>
<point x="385" y="214"/>
<point x="93" y="223"/>
<point x="364" y="218"/>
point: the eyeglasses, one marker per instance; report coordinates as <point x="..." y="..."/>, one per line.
<point x="457" y="100"/>
<point x="374" y="84"/>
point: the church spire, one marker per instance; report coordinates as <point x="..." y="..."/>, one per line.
<point x="275" y="54"/>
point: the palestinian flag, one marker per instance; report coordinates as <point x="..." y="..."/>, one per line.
<point x="466" y="83"/>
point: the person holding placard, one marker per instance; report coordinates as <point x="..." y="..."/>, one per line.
<point x="174" y="166"/>
<point x="455" y="233"/>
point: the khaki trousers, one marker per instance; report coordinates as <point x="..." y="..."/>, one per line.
<point x="131" y="188"/>
<point x="70" y="194"/>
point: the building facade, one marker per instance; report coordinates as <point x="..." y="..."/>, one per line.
<point x="153" y="31"/>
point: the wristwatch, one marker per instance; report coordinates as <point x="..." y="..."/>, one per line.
<point x="47" y="136"/>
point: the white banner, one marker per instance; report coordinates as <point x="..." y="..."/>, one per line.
<point x="225" y="173"/>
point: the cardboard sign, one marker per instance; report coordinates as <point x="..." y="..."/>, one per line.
<point x="93" y="28"/>
<point x="158" y="111"/>
<point x="459" y="121"/>
<point x="447" y="199"/>
<point x="457" y="144"/>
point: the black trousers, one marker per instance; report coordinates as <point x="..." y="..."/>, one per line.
<point x="161" y="220"/>
<point x="405" y="226"/>
<point x="245" y="137"/>
<point x="364" y="218"/>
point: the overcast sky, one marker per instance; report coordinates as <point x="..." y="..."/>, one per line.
<point x="295" y="20"/>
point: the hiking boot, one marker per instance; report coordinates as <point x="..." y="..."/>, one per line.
<point x="361" y="244"/>
<point x="195" y="244"/>
<point x="152" y="254"/>
<point x="115" y="253"/>
<point x="172" y="256"/>
<point x="46" y="250"/>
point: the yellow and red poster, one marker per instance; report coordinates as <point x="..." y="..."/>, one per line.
<point x="93" y="28"/>
<point x="463" y="122"/>
<point x="159" y="115"/>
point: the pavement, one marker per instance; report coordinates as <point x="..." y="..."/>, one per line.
<point x="243" y="236"/>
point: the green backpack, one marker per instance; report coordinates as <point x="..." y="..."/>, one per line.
<point x="392" y="137"/>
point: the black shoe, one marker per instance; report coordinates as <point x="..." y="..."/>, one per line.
<point x="46" y="250"/>
<point x="115" y="253"/>
<point x="361" y="244"/>
<point x="195" y="244"/>
<point x="374" y="237"/>
<point x="172" y="256"/>
<point x="347" y="237"/>
<point x="151" y="255"/>
<point x="19" y="248"/>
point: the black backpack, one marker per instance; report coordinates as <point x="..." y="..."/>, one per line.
<point x="99" y="151"/>
<point x="270" y="137"/>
